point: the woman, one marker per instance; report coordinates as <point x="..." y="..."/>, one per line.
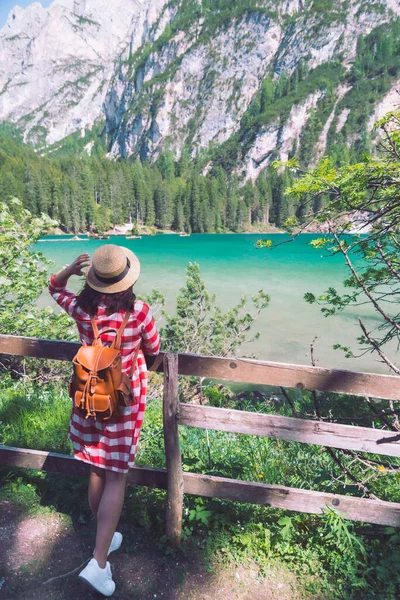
<point x="108" y="446"/>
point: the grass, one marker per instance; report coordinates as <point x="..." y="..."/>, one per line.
<point x="38" y="418"/>
<point x="35" y="419"/>
<point x="329" y="555"/>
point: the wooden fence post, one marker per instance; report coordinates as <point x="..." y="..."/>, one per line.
<point x="172" y="450"/>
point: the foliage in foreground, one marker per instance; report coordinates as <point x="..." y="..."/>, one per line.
<point x="363" y="199"/>
<point x="24" y="275"/>
<point x="330" y="556"/>
<point x="200" y="326"/>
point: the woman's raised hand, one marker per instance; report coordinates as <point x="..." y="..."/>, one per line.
<point x="79" y="265"/>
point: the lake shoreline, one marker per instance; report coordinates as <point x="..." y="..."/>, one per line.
<point x="126" y="229"/>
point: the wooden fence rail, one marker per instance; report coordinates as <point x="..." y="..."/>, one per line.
<point x="358" y="509"/>
<point x="321" y="433"/>
<point x="234" y="369"/>
<point x="300" y="430"/>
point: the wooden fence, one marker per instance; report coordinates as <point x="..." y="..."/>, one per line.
<point x="177" y="483"/>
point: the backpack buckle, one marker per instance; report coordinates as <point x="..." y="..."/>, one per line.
<point x="93" y="383"/>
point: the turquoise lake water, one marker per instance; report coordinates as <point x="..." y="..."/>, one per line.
<point x="231" y="267"/>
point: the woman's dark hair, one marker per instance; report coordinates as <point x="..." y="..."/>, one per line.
<point x="89" y="300"/>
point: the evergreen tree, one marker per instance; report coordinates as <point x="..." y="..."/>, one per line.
<point x="184" y="163"/>
<point x="141" y="194"/>
<point x="178" y="223"/>
<point x="86" y="196"/>
<point x="166" y="164"/>
<point x="162" y="206"/>
<point x="251" y="198"/>
<point x="282" y="208"/>
<point x="221" y="180"/>
<point x="217" y="203"/>
<point x="265" y="199"/>
<point x="8" y="185"/>
<point x="196" y="215"/>
<point x="309" y="138"/>
<point x="31" y="200"/>
<point x="232" y="208"/>
<point x="55" y="193"/>
<point x="267" y="93"/>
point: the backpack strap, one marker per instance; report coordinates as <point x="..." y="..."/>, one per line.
<point x="134" y="359"/>
<point x="118" y="333"/>
<point x="117" y="341"/>
<point x="95" y="330"/>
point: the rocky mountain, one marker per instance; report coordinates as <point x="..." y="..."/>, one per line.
<point x="56" y="64"/>
<point x="237" y="83"/>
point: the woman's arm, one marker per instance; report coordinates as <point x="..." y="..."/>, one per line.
<point x="150" y="337"/>
<point x="75" y="268"/>
<point x="64" y="298"/>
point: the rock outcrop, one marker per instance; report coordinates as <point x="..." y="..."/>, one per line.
<point x="56" y="63"/>
<point x="159" y="75"/>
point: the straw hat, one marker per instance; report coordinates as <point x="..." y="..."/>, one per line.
<point x="113" y="269"/>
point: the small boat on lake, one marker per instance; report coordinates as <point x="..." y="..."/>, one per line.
<point x="98" y="236"/>
<point x="133" y="237"/>
<point x="184" y="234"/>
<point x="74" y="239"/>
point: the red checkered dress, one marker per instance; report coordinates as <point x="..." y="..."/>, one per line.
<point x="112" y="444"/>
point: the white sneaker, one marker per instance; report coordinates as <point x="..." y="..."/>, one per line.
<point x="115" y="542"/>
<point x="99" y="579"/>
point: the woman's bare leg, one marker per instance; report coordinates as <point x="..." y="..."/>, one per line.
<point x="108" y="513"/>
<point x="97" y="484"/>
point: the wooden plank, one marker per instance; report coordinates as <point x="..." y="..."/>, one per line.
<point x="307" y="501"/>
<point x="38" y="348"/>
<point x="234" y="369"/>
<point x="359" y="509"/>
<point x="172" y="450"/>
<point x="335" y="435"/>
<point x="291" y="376"/>
<point x="61" y="463"/>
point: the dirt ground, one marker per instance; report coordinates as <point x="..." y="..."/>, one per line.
<point x="36" y="549"/>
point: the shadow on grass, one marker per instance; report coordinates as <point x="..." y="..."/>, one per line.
<point x="56" y="535"/>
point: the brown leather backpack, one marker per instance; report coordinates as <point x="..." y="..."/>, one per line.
<point x="98" y="386"/>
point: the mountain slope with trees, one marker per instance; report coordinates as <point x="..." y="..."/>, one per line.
<point x="93" y="193"/>
<point x="198" y="102"/>
<point x="257" y="78"/>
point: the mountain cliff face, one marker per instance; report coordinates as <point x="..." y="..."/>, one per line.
<point x="56" y="63"/>
<point x="238" y="82"/>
